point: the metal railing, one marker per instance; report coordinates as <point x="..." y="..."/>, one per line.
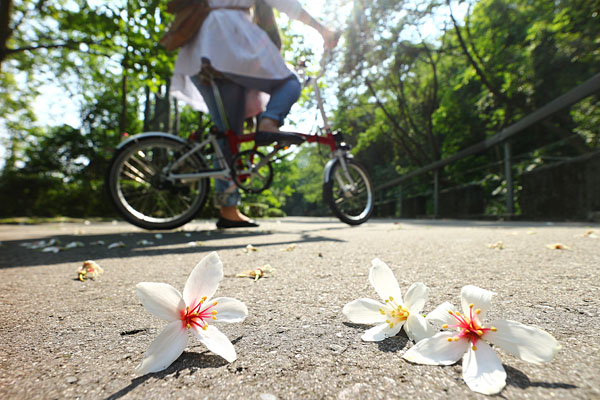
<point x="573" y="96"/>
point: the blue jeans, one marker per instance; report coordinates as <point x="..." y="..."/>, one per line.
<point x="284" y="93"/>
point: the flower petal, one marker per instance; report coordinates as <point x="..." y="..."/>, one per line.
<point x="480" y="298"/>
<point x="161" y="299"/>
<point x="526" y="342"/>
<point x="415" y="298"/>
<point x="230" y="310"/>
<point x="216" y="342"/>
<point x="381" y="332"/>
<point x="417" y="328"/>
<point x="437" y="350"/>
<point x="204" y="280"/>
<point x="165" y="349"/>
<point x="364" y="311"/>
<point x="384" y="282"/>
<point x="440" y="315"/>
<point x="482" y="370"/>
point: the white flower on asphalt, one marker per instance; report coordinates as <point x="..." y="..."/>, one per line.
<point x="393" y="314"/>
<point x="482" y="370"/>
<point x="192" y="312"/>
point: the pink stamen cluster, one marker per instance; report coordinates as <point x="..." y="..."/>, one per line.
<point x="468" y="326"/>
<point x="196" y="316"/>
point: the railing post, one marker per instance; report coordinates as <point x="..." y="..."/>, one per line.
<point x="436" y="193"/>
<point x="509" y="178"/>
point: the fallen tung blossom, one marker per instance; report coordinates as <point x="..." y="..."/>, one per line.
<point x="98" y="243"/>
<point x="73" y="245"/>
<point x="250" y="248"/>
<point x="116" y="245"/>
<point x="394" y="314"/>
<point x="590" y="234"/>
<point x="557" y="246"/>
<point x="291" y="247"/>
<point x="256" y="273"/>
<point x="482" y="370"/>
<point x="51" y="249"/>
<point x="89" y="270"/>
<point x="195" y="244"/>
<point x="498" y="245"/>
<point x="40" y="244"/>
<point x="145" y="242"/>
<point x="191" y="312"/>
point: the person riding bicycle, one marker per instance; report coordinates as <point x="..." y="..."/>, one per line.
<point x="252" y="67"/>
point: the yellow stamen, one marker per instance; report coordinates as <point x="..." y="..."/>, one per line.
<point x="189" y="326"/>
<point x="457" y="313"/>
<point x="450" y="312"/>
<point x="474" y="348"/>
<point x="215" y="303"/>
<point x="214" y="317"/>
<point x="214" y="312"/>
<point x="493" y="329"/>
<point x="445" y="326"/>
<point x="450" y="339"/>
<point x="471" y="305"/>
<point x="478" y="311"/>
<point x="391" y="325"/>
<point x="205" y="327"/>
<point x="480" y="332"/>
<point x="391" y="298"/>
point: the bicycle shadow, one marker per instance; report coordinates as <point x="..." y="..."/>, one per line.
<point x="99" y="246"/>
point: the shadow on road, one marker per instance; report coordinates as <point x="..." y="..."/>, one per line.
<point x="141" y="244"/>
<point x="516" y="378"/>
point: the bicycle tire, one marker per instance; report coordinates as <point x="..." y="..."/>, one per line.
<point x="247" y="176"/>
<point x="352" y="202"/>
<point x="138" y="187"/>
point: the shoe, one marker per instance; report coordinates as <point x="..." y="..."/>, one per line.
<point x="223" y="223"/>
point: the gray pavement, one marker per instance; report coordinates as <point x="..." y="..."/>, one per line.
<point x="62" y="338"/>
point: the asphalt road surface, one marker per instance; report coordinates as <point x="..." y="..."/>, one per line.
<point x="62" y="338"/>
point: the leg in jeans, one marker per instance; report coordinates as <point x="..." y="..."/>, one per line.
<point x="284" y="93"/>
<point x="233" y="96"/>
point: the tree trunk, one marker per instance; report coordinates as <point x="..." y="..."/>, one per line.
<point x="5" y="32"/>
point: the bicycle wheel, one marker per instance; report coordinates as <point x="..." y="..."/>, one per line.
<point x="248" y="174"/>
<point x="141" y="191"/>
<point x="349" y="193"/>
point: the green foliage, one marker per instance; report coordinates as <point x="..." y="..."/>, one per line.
<point x="405" y="97"/>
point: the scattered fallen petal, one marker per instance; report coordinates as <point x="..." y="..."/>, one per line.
<point x="51" y="249"/>
<point x="195" y="244"/>
<point x="40" y="244"/>
<point x="98" y="243"/>
<point x="145" y="242"/>
<point x="256" y="273"/>
<point x="73" y="245"/>
<point x="590" y="234"/>
<point x="250" y="248"/>
<point x="89" y="270"/>
<point x="187" y="234"/>
<point x="158" y="236"/>
<point x="498" y="245"/>
<point x="86" y="222"/>
<point x="291" y="247"/>
<point x="532" y="232"/>
<point x="557" y="246"/>
<point x="116" y="245"/>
